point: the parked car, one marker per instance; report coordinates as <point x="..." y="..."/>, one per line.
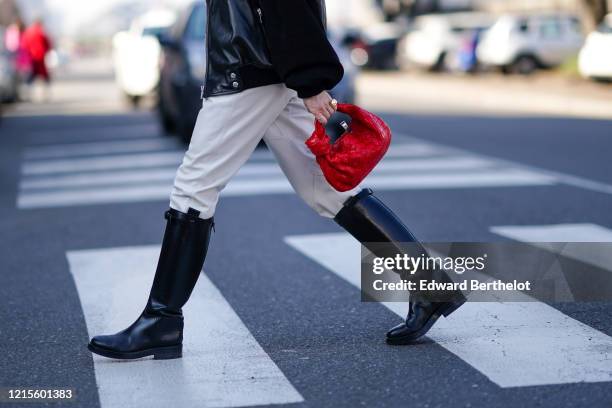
<point x="375" y="47"/>
<point x="595" y="59"/>
<point x="525" y="43"/>
<point x="437" y="40"/>
<point x="136" y="54"/>
<point x="183" y="68"/>
<point x="372" y="40"/>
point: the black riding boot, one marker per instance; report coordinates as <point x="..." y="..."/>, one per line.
<point x="159" y="329"/>
<point x="367" y="219"/>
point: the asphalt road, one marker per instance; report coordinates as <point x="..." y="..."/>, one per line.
<point x="318" y="345"/>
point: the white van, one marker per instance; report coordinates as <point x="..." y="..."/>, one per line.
<point x="136" y="53"/>
<point x="524" y="43"/>
<point x="437" y="36"/>
<point x="595" y="60"/>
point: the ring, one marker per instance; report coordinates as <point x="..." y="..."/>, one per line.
<point x="333" y="103"/>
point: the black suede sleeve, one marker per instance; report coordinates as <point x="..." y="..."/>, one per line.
<point x="300" y="51"/>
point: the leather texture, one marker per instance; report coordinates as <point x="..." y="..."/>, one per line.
<point x="237" y="54"/>
<point x="370" y="221"/>
<point x="160" y="326"/>
<point x="354" y="155"/>
<point x="422" y="315"/>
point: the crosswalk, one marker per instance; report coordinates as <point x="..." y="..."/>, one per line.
<point x="514" y="344"/>
<point x="520" y="344"/>
<point x="223" y="365"/>
<point x="143" y="169"/>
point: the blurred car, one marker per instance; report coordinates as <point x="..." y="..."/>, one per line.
<point x="183" y="66"/>
<point x="595" y="58"/>
<point x="437" y="41"/>
<point x="9" y="78"/>
<point x="362" y="26"/>
<point x="525" y="43"/>
<point x="182" y="70"/>
<point x="136" y="54"/>
<point x="375" y="47"/>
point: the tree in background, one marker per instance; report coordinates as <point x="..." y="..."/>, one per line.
<point x="593" y="12"/>
<point x="9" y="12"/>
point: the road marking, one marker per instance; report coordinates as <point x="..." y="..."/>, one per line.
<point x="50" y="179"/>
<point x="83" y="131"/>
<point x="252" y="169"/>
<point x="41" y="167"/>
<point x="544" y="236"/>
<point x="128" y="161"/>
<point x="99" y="148"/>
<point x="100" y="179"/>
<point x="555" y="233"/>
<point x="560" y="177"/>
<point x="157" y="186"/>
<point x="513" y="344"/>
<point x="131" y="194"/>
<point x="459" y="179"/>
<point x="223" y="365"/>
<point x="93" y="196"/>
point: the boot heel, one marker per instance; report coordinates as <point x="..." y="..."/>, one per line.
<point x="168" y="353"/>
<point x="452" y="307"/>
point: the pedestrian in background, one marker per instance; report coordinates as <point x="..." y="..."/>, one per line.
<point x="269" y="66"/>
<point x="15" y="45"/>
<point x="38" y="45"/>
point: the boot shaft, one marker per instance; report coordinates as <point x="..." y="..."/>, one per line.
<point x="181" y="259"/>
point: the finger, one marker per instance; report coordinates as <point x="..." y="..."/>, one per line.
<point x="334" y="104"/>
<point x="321" y="118"/>
<point x="329" y="110"/>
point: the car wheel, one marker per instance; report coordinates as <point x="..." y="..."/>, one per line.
<point x="132" y="100"/>
<point x="525" y="65"/>
<point x="440" y="64"/>
<point x="602" y="80"/>
<point x="167" y="123"/>
<point x="185" y="130"/>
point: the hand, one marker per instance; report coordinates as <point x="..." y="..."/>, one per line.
<point x="321" y="106"/>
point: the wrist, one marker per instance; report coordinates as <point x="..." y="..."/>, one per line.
<point x="305" y="93"/>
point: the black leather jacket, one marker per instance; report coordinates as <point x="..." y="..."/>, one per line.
<point x="251" y="43"/>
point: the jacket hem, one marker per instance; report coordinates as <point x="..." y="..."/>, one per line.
<point x="250" y="77"/>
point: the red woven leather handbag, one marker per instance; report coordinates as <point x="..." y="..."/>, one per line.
<point x="354" y="155"/>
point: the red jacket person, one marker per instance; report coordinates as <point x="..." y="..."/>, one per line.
<point x="37" y="44"/>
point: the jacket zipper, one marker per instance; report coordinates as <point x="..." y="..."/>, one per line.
<point x="203" y="87"/>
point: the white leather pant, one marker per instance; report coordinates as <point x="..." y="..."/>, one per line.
<point x="227" y="131"/>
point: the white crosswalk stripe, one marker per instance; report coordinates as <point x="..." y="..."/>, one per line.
<point x="223" y="365"/>
<point x="516" y="344"/>
<point x="136" y="170"/>
<point x="100" y="148"/>
<point x="494" y="338"/>
<point x="555" y="233"/>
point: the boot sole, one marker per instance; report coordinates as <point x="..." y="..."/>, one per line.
<point x="412" y="337"/>
<point x="158" y="353"/>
